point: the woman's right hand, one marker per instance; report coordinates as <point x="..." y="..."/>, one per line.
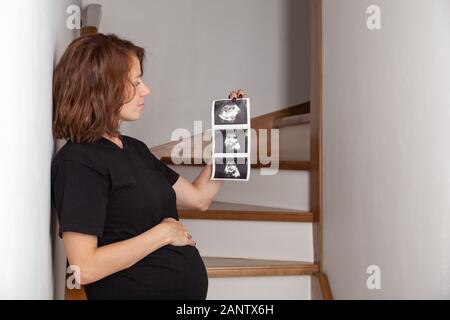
<point x="178" y="234"/>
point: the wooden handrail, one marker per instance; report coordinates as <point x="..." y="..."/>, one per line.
<point x="266" y="121"/>
<point x="292" y="121"/>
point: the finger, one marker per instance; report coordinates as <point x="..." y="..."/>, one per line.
<point x="191" y="243"/>
<point x="241" y="94"/>
<point x="233" y="95"/>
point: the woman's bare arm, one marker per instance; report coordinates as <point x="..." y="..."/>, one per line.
<point x="97" y="263"/>
<point x="198" y="194"/>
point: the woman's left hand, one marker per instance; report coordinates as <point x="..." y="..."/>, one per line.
<point x="240" y="94"/>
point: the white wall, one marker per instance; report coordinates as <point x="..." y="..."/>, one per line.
<point x="386" y="150"/>
<point x="34" y="33"/>
<point x="199" y="50"/>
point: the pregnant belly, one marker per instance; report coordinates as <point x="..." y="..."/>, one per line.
<point x="170" y="273"/>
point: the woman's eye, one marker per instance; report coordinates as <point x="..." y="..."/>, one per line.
<point x="137" y="82"/>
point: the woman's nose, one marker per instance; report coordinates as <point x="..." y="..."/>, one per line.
<point x="145" y="90"/>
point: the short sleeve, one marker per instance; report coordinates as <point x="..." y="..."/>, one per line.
<point x="171" y="175"/>
<point x="79" y="195"/>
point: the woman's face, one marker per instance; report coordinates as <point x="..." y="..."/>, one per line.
<point x="131" y="111"/>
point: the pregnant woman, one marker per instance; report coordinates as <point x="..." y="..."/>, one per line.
<point x="116" y="202"/>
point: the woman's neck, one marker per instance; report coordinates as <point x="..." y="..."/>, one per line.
<point x="115" y="140"/>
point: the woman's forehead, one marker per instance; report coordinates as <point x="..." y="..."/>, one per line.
<point x="136" y="66"/>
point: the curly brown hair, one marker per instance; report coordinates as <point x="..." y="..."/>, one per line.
<point x="90" y="85"/>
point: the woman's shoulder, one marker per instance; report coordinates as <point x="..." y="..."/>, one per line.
<point x="139" y="145"/>
<point x="81" y="153"/>
<point x="135" y="142"/>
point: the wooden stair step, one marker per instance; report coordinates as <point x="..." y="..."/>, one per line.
<point x="243" y="212"/>
<point x="282" y="164"/>
<point x="238" y="267"/>
<point x="75" y="294"/>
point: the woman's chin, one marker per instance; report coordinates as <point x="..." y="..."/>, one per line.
<point x="131" y="118"/>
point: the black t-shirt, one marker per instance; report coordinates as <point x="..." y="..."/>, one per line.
<point x="115" y="194"/>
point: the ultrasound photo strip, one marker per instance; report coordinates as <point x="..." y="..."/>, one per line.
<point x="231" y="140"/>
